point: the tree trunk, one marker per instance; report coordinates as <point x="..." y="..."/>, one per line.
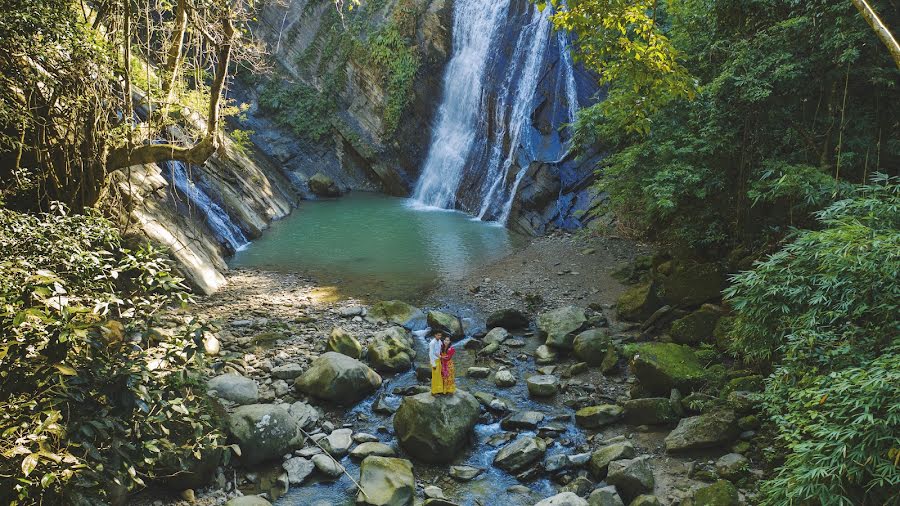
<point x="880" y="29"/>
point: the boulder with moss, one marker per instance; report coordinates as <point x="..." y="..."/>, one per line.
<point x="595" y="347"/>
<point x="708" y="430"/>
<point x="720" y="493"/>
<point x="399" y="312"/>
<point x="687" y="283"/>
<point x="341" y="341"/>
<point x="447" y="323"/>
<point x="660" y="367"/>
<point x="638" y="303"/>
<point x="696" y="327"/>
<point x="391" y="350"/>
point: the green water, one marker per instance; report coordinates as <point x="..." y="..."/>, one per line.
<point x="371" y="245"/>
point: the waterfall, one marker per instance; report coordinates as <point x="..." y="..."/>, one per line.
<point x="225" y="230"/>
<point x="475" y="23"/>
<point x="501" y="69"/>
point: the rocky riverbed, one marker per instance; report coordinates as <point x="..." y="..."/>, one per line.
<point x="560" y="401"/>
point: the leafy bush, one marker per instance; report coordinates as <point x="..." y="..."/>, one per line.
<point x="823" y="312"/>
<point x="91" y="408"/>
<point x="301" y="108"/>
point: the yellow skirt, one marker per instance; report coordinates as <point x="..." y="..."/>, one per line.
<point x="438" y="385"/>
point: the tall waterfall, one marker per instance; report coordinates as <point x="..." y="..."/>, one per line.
<point x="504" y="58"/>
<point x="219" y="222"/>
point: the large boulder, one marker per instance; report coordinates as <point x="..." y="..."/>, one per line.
<point x="338" y="378"/>
<point x="341" y="341"/>
<point x="660" y="367"/>
<point x="447" y="323"/>
<point x="560" y="326"/>
<point x="399" y="312"/>
<point x="638" y="303"/>
<point x="595" y="347"/>
<point x="720" y="493"/>
<point x="520" y="454"/>
<point x="436" y="428"/>
<point x="594" y="417"/>
<point x="649" y="411"/>
<point x="508" y="319"/>
<point x="497" y="335"/>
<point x="631" y="477"/>
<point x="386" y="481"/>
<point x="323" y="186"/>
<point x="600" y="459"/>
<point x="262" y="431"/>
<point x="234" y="388"/>
<point x="338" y="443"/>
<point x="697" y="327"/>
<point x="391" y="350"/>
<point x="703" y="431"/>
<point x="686" y="283"/>
<point x="563" y="499"/>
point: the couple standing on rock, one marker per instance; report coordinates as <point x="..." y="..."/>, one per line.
<point x="440" y="354"/>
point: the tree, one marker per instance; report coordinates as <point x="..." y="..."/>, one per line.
<point x="881" y="30"/>
<point x="91" y="88"/>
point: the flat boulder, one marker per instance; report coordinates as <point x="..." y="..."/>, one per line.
<point x="435" y="428"/>
<point x="560" y="326"/>
<point x="497" y="335"/>
<point x="398" y="312"/>
<point x="563" y="499"/>
<point x="323" y="186"/>
<point x="600" y="459"/>
<point x="527" y="420"/>
<point x="391" y="350"/>
<point x="660" y="367"/>
<point x="447" y="323"/>
<point x="343" y="342"/>
<point x="338" y="378"/>
<point x="594" y="417"/>
<point x="386" y="481"/>
<point x="235" y="388"/>
<point x="248" y="500"/>
<point x="508" y="319"/>
<point x="262" y="431"/>
<point x="371" y="448"/>
<point x="605" y="496"/>
<point x="708" y="430"/>
<point x="595" y="347"/>
<point x="520" y="454"/>
<point x="338" y="442"/>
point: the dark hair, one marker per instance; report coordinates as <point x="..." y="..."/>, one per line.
<point x="445" y="347"/>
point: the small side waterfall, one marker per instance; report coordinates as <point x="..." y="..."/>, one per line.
<point x="219" y="222"/>
<point x="508" y="72"/>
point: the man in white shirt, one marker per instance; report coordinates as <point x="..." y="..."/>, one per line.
<point x="434" y="350"/>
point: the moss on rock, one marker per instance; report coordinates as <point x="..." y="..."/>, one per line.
<point x="638" y="303"/>
<point x="660" y="367"/>
<point x="696" y="327"/>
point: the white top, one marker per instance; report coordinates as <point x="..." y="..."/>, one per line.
<point x="434" y="352"/>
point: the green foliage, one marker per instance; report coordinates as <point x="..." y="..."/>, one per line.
<point x="824" y="311"/>
<point x="91" y="407"/>
<point x="624" y="42"/>
<point x="303" y="109"/>
<point x="795" y="100"/>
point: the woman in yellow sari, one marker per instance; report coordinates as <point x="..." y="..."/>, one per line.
<point x="442" y="370"/>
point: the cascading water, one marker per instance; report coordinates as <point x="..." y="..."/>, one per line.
<point x="503" y="69"/>
<point x="221" y="224"/>
<point x="474" y="28"/>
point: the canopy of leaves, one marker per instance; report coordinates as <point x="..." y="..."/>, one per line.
<point x="793" y="101"/>
<point x="824" y="311"/>
<point x="92" y="406"/>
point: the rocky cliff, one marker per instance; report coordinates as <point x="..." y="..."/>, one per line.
<point x="335" y="103"/>
<point x="201" y="214"/>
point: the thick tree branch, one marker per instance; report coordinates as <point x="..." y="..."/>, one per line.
<point x="887" y="38"/>
<point x="175" y="55"/>
<point x="197" y="154"/>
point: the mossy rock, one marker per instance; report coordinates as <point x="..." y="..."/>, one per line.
<point x="752" y="383"/>
<point x="649" y="411"/>
<point x="720" y="493"/>
<point x="638" y="303"/>
<point x="722" y="333"/>
<point x="688" y="283"/>
<point x="595" y="347"/>
<point x="660" y="367"/>
<point x="341" y="341"/>
<point x="399" y="312"/>
<point x="696" y="327"/>
<point x="707" y="354"/>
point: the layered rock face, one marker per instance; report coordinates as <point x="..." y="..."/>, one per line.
<point x="202" y="214"/>
<point x="360" y="151"/>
